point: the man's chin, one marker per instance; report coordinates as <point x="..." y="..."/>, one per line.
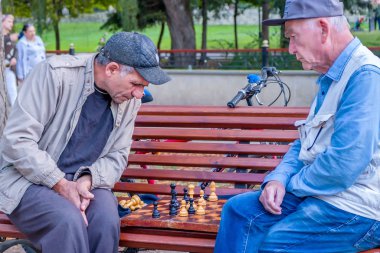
<point x="306" y="66"/>
<point x="119" y="100"/>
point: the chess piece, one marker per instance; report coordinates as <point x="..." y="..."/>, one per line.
<point x="173" y="208"/>
<point x="201" y="200"/>
<point x="156" y="213"/>
<point x="183" y="212"/>
<point x="176" y="202"/>
<point x="130" y="203"/>
<point x="203" y="187"/>
<point x="172" y="186"/>
<point x="122" y="202"/>
<point x="191" y="207"/>
<point x="212" y="197"/>
<point x="191" y="191"/>
<point x="200" y="209"/>
<point x="185" y="195"/>
<point x="138" y="202"/>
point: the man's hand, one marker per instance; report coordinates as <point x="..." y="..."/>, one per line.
<point x="272" y="196"/>
<point x="68" y="190"/>
<point x="83" y="187"/>
<point x="76" y="192"/>
<point x="13" y="62"/>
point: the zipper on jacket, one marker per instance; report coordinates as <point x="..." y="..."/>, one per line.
<point x="316" y="137"/>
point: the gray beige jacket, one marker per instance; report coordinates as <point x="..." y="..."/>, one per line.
<point x="42" y="121"/>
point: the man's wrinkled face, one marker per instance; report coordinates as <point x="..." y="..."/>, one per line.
<point x="123" y="86"/>
<point x="304" y="42"/>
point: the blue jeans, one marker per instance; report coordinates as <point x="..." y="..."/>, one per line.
<point x="305" y="225"/>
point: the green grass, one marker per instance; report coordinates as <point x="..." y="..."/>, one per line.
<point x="86" y="36"/>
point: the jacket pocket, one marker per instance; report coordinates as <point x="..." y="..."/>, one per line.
<point x="315" y="136"/>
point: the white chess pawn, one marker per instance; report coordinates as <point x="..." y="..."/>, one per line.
<point x="191" y="191"/>
<point x="183" y="212"/>
<point x="212" y="197"/>
<point x="200" y="209"/>
<point x="202" y="200"/>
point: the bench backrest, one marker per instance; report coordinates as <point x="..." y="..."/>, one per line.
<point x="184" y="144"/>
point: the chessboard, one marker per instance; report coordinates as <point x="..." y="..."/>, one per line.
<point x="208" y="222"/>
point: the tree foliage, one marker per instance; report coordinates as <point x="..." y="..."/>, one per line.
<point x="48" y="13"/>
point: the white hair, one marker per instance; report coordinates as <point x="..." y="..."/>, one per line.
<point x="103" y="61"/>
<point x="125" y="70"/>
<point x="338" y="23"/>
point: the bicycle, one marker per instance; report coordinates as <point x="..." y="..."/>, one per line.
<point x="269" y="75"/>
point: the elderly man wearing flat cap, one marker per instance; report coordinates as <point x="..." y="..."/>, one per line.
<point x="66" y="143"/>
<point x="325" y="194"/>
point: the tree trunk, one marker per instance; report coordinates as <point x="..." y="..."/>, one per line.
<point x="181" y="27"/>
<point x="4" y="106"/>
<point x="161" y="35"/>
<point x="265" y="29"/>
<point x="204" y="31"/>
<point x="57" y="35"/>
<point x="235" y="23"/>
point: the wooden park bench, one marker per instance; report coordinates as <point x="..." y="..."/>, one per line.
<point x="207" y="138"/>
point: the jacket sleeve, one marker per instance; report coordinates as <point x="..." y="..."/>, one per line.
<point x="34" y="108"/>
<point x="289" y="166"/>
<point x="107" y="169"/>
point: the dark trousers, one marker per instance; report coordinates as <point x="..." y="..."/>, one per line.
<point x="55" y="225"/>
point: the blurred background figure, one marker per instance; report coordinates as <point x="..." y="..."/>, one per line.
<point x="377" y="16"/>
<point x="358" y="23"/>
<point x="10" y="57"/>
<point x="30" y="51"/>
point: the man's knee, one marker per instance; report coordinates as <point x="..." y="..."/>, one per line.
<point x="70" y="219"/>
<point x="102" y="212"/>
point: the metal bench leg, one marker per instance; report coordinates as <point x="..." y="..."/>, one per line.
<point x="27" y="245"/>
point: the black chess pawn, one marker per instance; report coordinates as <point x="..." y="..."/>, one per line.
<point x="172" y="186"/>
<point x="191" y="207"/>
<point x="203" y="187"/>
<point x="156" y="213"/>
<point x="176" y="202"/>
<point x="185" y="195"/>
<point x="173" y="208"/>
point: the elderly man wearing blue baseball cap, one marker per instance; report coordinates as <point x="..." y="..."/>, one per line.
<point x="324" y="196"/>
<point x="67" y="142"/>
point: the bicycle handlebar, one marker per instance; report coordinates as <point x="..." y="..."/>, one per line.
<point x="239" y="96"/>
<point x="255" y="84"/>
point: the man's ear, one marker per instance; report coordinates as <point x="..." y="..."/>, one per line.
<point x="325" y="29"/>
<point x="112" y="68"/>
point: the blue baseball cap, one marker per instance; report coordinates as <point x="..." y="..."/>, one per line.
<point x="304" y="9"/>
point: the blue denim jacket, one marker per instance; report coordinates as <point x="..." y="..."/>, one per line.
<point x="357" y="127"/>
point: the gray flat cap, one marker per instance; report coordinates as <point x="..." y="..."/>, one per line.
<point x="303" y="9"/>
<point x="138" y="51"/>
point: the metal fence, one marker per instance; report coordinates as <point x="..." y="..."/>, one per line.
<point x="239" y="59"/>
<point x="243" y="59"/>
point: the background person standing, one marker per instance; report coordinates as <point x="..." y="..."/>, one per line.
<point x="31" y="51"/>
<point x="10" y="57"/>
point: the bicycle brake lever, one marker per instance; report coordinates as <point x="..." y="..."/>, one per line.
<point x="258" y="100"/>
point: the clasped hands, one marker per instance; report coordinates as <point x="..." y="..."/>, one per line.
<point x="77" y="192"/>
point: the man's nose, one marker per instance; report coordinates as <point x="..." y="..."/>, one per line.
<point x="138" y="92"/>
